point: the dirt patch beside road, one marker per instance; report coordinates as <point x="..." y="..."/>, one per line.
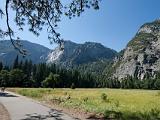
<point x="4" y="115"/>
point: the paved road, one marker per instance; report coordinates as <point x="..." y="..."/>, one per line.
<point x="22" y="108"/>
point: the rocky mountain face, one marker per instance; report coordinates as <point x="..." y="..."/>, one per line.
<point x="35" y="52"/>
<point x="141" y="57"/>
<point x="77" y="54"/>
<point x="62" y="57"/>
<point x="73" y="53"/>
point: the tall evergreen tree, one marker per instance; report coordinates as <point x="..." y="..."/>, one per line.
<point x="4" y="78"/>
<point x="157" y="84"/>
<point x="1" y="66"/>
<point x="15" y="64"/>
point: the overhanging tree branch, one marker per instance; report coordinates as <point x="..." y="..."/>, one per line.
<point x="10" y="32"/>
<point x="40" y="13"/>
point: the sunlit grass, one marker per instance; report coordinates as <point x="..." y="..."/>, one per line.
<point x="124" y="101"/>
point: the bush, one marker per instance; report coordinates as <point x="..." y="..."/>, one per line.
<point x="85" y="99"/>
<point x="104" y="97"/>
<point x="51" y="81"/>
<point x="65" y="93"/>
<point x="73" y="86"/>
<point x="117" y="104"/>
<point x="111" y="114"/>
<point x="155" y="114"/>
<point x="157" y="84"/>
<point x="68" y="97"/>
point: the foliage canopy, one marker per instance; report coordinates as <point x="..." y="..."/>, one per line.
<point x="39" y="13"/>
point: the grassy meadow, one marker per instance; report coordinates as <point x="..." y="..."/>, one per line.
<point x="112" y="103"/>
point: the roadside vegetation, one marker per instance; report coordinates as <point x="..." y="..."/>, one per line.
<point x="110" y="103"/>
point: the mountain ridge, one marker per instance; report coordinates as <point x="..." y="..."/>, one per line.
<point x="35" y="52"/>
<point x="72" y="53"/>
<point x="76" y="54"/>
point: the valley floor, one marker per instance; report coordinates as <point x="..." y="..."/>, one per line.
<point x="108" y="103"/>
<point x="22" y="108"/>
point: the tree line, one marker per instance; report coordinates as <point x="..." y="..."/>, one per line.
<point x="131" y="82"/>
<point x="27" y="74"/>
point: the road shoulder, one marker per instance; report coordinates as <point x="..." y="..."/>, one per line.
<point x="4" y="115"/>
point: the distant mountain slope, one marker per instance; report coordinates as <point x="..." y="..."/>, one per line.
<point x="77" y="54"/>
<point x="37" y="53"/>
<point x="141" y="57"/>
<point x="73" y="54"/>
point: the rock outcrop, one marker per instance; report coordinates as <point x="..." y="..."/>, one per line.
<point x="141" y="57"/>
<point x="77" y="54"/>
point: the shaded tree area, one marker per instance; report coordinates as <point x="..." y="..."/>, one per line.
<point x="130" y="83"/>
<point x="26" y="74"/>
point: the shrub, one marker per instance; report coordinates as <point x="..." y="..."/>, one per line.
<point x="155" y="114"/>
<point x="65" y="93"/>
<point x="49" y="90"/>
<point x="104" y="97"/>
<point x="73" y="86"/>
<point x="111" y="114"/>
<point x="68" y="97"/>
<point x="85" y="99"/>
<point x="51" y="81"/>
<point x="117" y="103"/>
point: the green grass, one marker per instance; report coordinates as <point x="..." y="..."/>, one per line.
<point x="124" y="104"/>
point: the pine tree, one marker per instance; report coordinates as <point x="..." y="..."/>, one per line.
<point x="15" y="64"/>
<point x="157" y="84"/>
<point x="1" y="66"/>
<point x="4" y="78"/>
<point x="20" y="65"/>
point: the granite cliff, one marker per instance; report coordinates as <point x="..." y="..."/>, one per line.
<point x="141" y="57"/>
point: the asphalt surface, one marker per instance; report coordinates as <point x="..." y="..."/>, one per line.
<point x="22" y="108"/>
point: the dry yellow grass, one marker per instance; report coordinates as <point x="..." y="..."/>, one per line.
<point x="124" y="101"/>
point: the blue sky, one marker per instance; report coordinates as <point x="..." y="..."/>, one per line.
<point x="113" y="25"/>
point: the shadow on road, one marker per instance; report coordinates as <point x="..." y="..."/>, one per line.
<point x="52" y="114"/>
<point x="4" y="94"/>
